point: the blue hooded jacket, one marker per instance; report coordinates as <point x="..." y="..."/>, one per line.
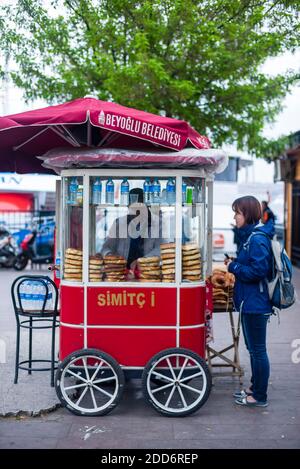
<point x="251" y="267"/>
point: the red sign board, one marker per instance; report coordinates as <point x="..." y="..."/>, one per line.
<point x="132" y="306"/>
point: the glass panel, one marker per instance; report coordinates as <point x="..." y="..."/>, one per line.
<point x="193" y="229"/>
<point x="168" y="246"/>
<point x="130" y="218"/>
<point x="72" y="228"/>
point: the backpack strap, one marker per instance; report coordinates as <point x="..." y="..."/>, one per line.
<point x="246" y="244"/>
<point x="276" y="252"/>
<point x="276" y="249"/>
<point x="276" y="272"/>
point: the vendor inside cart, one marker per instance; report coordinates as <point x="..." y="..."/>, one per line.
<point x="131" y="236"/>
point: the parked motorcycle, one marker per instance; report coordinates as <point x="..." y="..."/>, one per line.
<point x="28" y="253"/>
<point x="8" y="250"/>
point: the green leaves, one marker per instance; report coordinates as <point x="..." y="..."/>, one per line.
<point x="195" y="60"/>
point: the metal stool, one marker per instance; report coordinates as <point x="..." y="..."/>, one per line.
<point x="39" y="316"/>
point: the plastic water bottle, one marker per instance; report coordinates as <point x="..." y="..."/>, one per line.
<point x="42" y="295"/>
<point x="189" y="195"/>
<point x="79" y="198"/>
<point x="147" y="194"/>
<point x="96" y="191"/>
<point x="57" y="264"/>
<point x="43" y="292"/>
<point x="156" y="191"/>
<point x="35" y="296"/>
<point x="73" y="189"/>
<point x="38" y="294"/>
<point x="29" y="296"/>
<point x="49" y="304"/>
<point x="110" y="192"/>
<point x="24" y="296"/>
<point x="125" y="192"/>
<point x="151" y="193"/>
<point x="184" y="186"/>
<point x="171" y="194"/>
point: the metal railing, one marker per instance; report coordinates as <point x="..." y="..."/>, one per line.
<point x="13" y="221"/>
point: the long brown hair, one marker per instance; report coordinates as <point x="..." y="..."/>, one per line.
<point x="250" y="207"/>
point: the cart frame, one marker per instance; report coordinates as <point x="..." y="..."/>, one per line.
<point x="180" y="357"/>
<point x="178" y="174"/>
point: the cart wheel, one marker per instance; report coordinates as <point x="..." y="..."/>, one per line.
<point x="89" y="382"/>
<point x="176" y="382"/>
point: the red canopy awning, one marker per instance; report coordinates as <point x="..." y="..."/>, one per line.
<point x="87" y="122"/>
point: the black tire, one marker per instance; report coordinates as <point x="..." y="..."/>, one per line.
<point x="150" y="382"/>
<point x="20" y="262"/>
<point x="117" y="376"/>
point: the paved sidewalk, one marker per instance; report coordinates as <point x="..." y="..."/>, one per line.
<point x="133" y="424"/>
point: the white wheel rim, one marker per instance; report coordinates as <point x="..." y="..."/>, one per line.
<point x="89" y="384"/>
<point x="175" y="395"/>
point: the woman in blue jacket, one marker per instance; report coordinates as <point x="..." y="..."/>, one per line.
<point x="251" y="268"/>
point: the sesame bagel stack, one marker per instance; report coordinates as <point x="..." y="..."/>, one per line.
<point x="222" y="283"/>
<point x="73" y="265"/>
<point x="95" y="268"/>
<point x="191" y="262"/>
<point x="114" y="268"/>
<point x="167" y="252"/>
<point x="149" y="269"/>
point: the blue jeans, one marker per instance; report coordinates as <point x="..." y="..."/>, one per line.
<point x="255" y="332"/>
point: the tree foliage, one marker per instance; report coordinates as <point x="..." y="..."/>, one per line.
<point x="194" y="60"/>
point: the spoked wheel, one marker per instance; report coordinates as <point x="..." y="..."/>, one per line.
<point x="176" y="382"/>
<point x="89" y="382"/>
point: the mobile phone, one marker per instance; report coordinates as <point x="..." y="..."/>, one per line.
<point x="226" y="255"/>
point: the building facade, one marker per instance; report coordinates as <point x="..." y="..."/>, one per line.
<point x="288" y="170"/>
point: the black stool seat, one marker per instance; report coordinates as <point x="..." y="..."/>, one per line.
<point x="41" y="318"/>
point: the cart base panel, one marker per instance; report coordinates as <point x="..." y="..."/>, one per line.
<point x="131" y="347"/>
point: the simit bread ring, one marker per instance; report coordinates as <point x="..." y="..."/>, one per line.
<point x="219" y="280"/>
<point x="230" y="278"/>
<point x="74" y="252"/>
<point x="148" y="260"/>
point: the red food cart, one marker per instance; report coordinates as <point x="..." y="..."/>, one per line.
<point x="122" y="318"/>
<point x="148" y="322"/>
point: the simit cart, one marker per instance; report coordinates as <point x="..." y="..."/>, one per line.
<point x="141" y="321"/>
<point x="146" y="322"/>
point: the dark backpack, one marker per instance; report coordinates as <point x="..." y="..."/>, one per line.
<point x="280" y="288"/>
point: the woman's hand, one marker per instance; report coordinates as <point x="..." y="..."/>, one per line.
<point x="133" y="265"/>
<point x="132" y="271"/>
<point x="227" y="261"/>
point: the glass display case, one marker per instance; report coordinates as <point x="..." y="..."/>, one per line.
<point x="194" y="227"/>
<point x="72" y="233"/>
<point x="149" y="227"/>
